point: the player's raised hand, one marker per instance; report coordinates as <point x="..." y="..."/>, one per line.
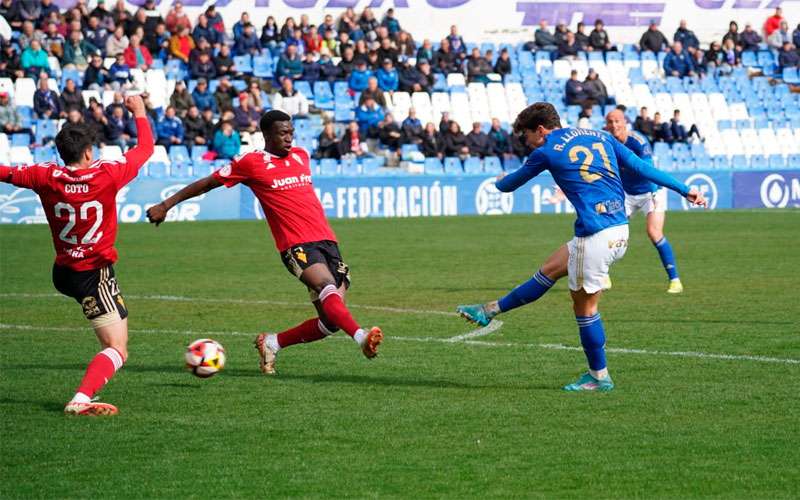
<point x="135" y="105"/>
<point x="157" y="214"/>
<point x="697" y="198"/>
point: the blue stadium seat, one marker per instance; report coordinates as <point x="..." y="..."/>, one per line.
<point x="45" y="129"/>
<point x="198" y="152"/>
<point x="262" y="65"/>
<point x="350" y="167"/>
<point x="739" y="162"/>
<point x="793" y="161"/>
<point x="759" y="162"/>
<point x="511" y="164"/>
<point x="370" y="166"/>
<point x="721" y="162"/>
<point x="157" y="170"/>
<point x="776" y="161"/>
<point x="471" y="166"/>
<point x="179" y="154"/>
<point x="243" y="63"/>
<point x="44" y="154"/>
<point x="433" y="166"/>
<point x="790" y="75"/>
<point x="183" y="170"/>
<point x="452" y="166"/>
<point x="304" y="88"/>
<point x="492" y="165"/>
<point x="328" y="167"/>
<point x="20" y="140"/>
<point x="26" y="114"/>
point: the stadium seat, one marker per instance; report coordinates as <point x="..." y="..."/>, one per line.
<point x="350" y="167"/>
<point x="20" y="155"/>
<point x="262" y="66"/>
<point x="776" y="161"/>
<point x="157" y="170"/>
<point x="472" y="165"/>
<point x="433" y="166"/>
<point x="793" y="161"/>
<point x="44" y="154"/>
<point x="452" y="166"/>
<point x="22" y="140"/>
<point x="492" y="165"/>
<point x="112" y="153"/>
<point x="24" y="88"/>
<point x="179" y="154"/>
<point x="328" y="167"/>
<point x="739" y="162"/>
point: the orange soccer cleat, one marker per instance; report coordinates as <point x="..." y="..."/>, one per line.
<point x="371" y="343"/>
<point x="266" y="355"/>
<point x="90" y="409"/>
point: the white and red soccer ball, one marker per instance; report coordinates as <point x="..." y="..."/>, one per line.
<point x="205" y="357"/>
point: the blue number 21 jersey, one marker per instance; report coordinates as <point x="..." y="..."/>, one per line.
<point x="586" y="166"/>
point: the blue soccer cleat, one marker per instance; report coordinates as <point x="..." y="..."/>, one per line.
<point x="588" y="383"/>
<point x="476" y="313"/>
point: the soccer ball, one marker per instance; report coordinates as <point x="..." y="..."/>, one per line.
<point x="205" y="357"/>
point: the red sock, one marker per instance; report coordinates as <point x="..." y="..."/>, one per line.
<point x="308" y="331"/>
<point x="336" y="311"/>
<point x="100" y="370"/>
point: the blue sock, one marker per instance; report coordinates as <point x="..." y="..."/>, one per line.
<point x="593" y="340"/>
<point x="667" y="258"/>
<point x="526" y="292"/>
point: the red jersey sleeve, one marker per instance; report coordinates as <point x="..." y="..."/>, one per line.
<point x="232" y="174"/>
<point x="32" y="177"/>
<point x="125" y="171"/>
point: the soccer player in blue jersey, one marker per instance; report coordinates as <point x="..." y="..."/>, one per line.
<point x="642" y="195"/>
<point x="586" y="166"/>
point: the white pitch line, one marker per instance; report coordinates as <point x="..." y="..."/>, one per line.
<point x="206" y="300"/>
<point x="477" y="343"/>
<point x="493" y="326"/>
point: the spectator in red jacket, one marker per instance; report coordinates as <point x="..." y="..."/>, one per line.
<point x="773" y="22"/>
<point x="137" y="55"/>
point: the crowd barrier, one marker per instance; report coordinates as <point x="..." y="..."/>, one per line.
<point x="418" y="196"/>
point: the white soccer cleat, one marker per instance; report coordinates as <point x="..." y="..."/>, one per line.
<point x="266" y="354"/>
<point x="90" y="409"/>
<point x="675" y="286"/>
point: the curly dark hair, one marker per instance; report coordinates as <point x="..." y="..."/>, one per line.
<point x="538" y="113"/>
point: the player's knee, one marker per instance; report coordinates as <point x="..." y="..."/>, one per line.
<point x="655" y="234"/>
<point x="325" y="287"/>
<point x="326" y="327"/>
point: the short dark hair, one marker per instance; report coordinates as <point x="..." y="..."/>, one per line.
<point x="72" y="141"/>
<point x="270" y="117"/>
<point x="539" y="113"/>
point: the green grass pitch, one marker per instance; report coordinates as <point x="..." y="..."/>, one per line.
<point x="427" y="418"/>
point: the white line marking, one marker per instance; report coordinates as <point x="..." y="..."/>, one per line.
<point x="478" y="343"/>
<point x="493" y="326"/>
<point x="205" y="300"/>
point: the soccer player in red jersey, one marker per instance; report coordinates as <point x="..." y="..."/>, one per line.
<point x="280" y="177"/>
<point x="79" y="200"/>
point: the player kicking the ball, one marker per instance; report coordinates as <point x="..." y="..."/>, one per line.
<point x="642" y="195"/>
<point x="280" y="178"/>
<point x="585" y="164"/>
<point x="80" y="203"/>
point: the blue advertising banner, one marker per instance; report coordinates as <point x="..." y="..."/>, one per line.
<point x="418" y="196"/>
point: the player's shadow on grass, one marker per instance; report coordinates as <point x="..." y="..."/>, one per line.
<point x="398" y="381"/>
<point x="49" y="406"/>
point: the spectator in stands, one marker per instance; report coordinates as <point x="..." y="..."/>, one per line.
<point x="387" y="50"/>
<point x="137" y="55"/>
<point x="432" y="145"/>
<point x="10" y="119"/>
<point x="330" y="45"/>
<point x="426" y="51"/>
<point x="585" y="116"/>
<point x="245" y="116"/>
<point x="679" y="133"/>
<point x="29" y="33"/>
<point x="503" y="64"/>
<point x="169" y="129"/>
<point x="543" y="38"/>
<point x="444" y="123"/>
<point x="686" y="37"/>
<point x="248" y="43"/>
<point x="662" y="132"/>
<point x="210" y="127"/>
<point x="203" y="67"/>
<point x="327" y="143"/>
<point x="779" y="37"/>
<point x="731" y="55"/>
<point x="202" y="96"/>
<point x="54" y="41"/>
<point x="203" y="30"/>
<point x="749" y="39"/>
<point x="96" y="76"/>
<point x="773" y="22"/>
<point x="71" y="97"/>
<point x="478" y="67"/>
<point x="117" y="42"/>
<point x="478" y="142"/>
<point x="227" y="142"/>
<point x="77" y="51"/>
<point x="287" y="30"/>
<point x="678" y="62"/>
<point x="582" y="40"/>
<point x="95" y="33"/>
<point x="713" y="57"/>
<point x="312" y="40"/>
<point x="120" y="73"/>
<point x="732" y="33"/>
<point x="560" y="34"/>
<point x="368" y="24"/>
<point x="96" y="121"/>
<point x="290" y="100"/>
<point x="653" y="39"/>
<point x="289" y="65"/>
<point x="405" y="45"/>
<point x="215" y="19"/>
<point x="575" y="93"/>
<point x="181" y="45"/>
<point x="445" y="59"/>
<point x="411" y="128"/>
<point x="569" y="48"/>
<point x="353" y="143"/>
<point x="388" y="77"/>
<point x="311" y="69"/>
<point x="238" y="27"/>
<point x="102" y="14"/>
<point x="788" y="56"/>
<point x="47" y="9"/>
<point x="10" y="63"/>
<point x="34" y="60"/>
<point x="224" y="94"/>
<point x="328" y="25"/>
<point x="119" y="130"/>
<point x="360" y="76"/>
<point x="368" y="115"/>
<point x="181" y="99"/>
<point x="644" y="125"/>
<point x="599" y="39"/>
<point x="328" y="71"/>
<point x="595" y="89"/>
<point x="347" y="63"/>
<point x="223" y="62"/>
<point x="455" y="142"/>
<point x="159" y="42"/>
<point x="499" y="140"/>
<point x="46" y="103"/>
<point x="389" y="133"/>
<point x="194" y="128"/>
<point x="411" y="78"/>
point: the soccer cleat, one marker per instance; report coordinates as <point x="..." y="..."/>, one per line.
<point x="589" y="383"/>
<point x="90" y="409"/>
<point x="476" y="313"/>
<point x="371" y="342"/>
<point x="266" y="355"/>
<point x="675" y="286"/>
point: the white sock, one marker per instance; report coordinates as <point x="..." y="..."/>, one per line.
<point x="492" y="308"/>
<point x="599" y="374"/>
<point x="272" y="342"/>
<point x="360" y="336"/>
<point x="80" y="397"/>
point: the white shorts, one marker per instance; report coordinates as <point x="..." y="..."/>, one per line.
<point x="590" y="257"/>
<point x="646" y="202"/>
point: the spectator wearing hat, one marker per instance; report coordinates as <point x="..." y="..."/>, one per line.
<point x="245" y="115"/>
<point x="289" y="65"/>
<point x="749" y="39"/>
<point x="137" y="55"/>
<point x="290" y="100"/>
<point x="388" y="77"/>
<point x="653" y="39"/>
<point x="202" y="96"/>
<point x="227" y="141"/>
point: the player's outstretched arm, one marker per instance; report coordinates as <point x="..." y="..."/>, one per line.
<point x="138" y="155"/>
<point x="158" y="213"/>
<point x="534" y="165"/>
<point x="629" y="160"/>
